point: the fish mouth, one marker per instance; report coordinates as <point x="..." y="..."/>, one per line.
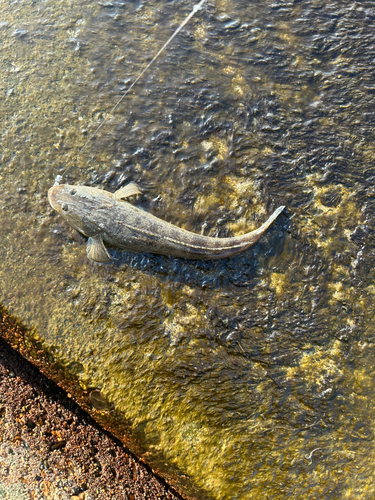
<point x="52" y="197"/>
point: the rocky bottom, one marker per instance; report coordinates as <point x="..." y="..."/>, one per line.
<point x="51" y="449"/>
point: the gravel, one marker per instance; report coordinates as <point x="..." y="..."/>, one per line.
<point x="51" y="449"/>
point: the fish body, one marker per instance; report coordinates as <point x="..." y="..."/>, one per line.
<point x="104" y="217"/>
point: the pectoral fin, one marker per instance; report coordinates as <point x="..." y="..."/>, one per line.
<point x="126" y="191"/>
<point x="96" y="250"/>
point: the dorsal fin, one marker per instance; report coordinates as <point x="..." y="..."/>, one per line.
<point x="126" y="191"/>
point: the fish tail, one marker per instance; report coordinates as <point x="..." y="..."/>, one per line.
<point x="270" y="219"/>
<point x="249" y="239"/>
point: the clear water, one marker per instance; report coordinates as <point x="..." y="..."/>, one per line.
<point x="245" y="378"/>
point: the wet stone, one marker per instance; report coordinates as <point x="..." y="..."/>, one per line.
<point x="98" y="401"/>
<point x="246" y="378"/>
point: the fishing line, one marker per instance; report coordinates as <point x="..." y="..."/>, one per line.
<point x="195" y="9"/>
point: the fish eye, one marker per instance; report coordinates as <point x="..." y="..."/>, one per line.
<point x="64" y="207"/>
<point x="73" y="192"/>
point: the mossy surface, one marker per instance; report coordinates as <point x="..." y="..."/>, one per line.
<point x="246" y="378"/>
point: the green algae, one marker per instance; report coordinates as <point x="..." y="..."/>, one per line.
<point x="245" y="378"/>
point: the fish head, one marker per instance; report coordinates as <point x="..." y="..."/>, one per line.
<point x="81" y="206"/>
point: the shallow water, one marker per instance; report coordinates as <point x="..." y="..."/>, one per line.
<point x="242" y="378"/>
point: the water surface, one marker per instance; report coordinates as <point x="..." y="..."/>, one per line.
<point x="242" y="378"/>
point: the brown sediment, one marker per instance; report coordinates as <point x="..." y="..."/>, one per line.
<point x="51" y="448"/>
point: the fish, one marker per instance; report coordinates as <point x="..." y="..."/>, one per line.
<point x="105" y="217"/>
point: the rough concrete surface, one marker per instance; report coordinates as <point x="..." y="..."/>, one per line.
<point x="51" y="449"/>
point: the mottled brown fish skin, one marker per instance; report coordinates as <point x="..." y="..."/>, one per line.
<point x="97" y="213"/>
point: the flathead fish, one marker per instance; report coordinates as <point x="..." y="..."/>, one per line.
<point x="105" y="217"/>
